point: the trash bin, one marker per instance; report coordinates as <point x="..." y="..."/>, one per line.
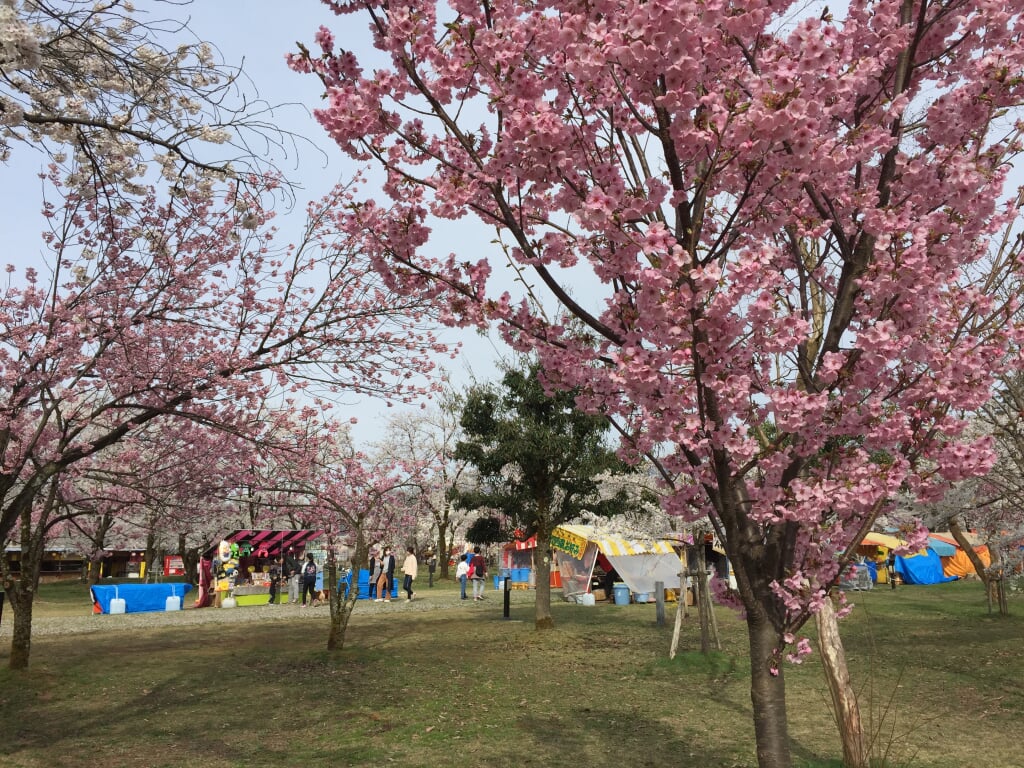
<point x="621" y="592"/>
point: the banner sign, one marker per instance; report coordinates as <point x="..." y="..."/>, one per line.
<point x="567" y="542"/>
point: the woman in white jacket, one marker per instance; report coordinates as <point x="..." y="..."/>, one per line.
<point x="409" y="569"/>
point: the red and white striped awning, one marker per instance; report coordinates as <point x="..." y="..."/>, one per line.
<point x="530" y="543"/>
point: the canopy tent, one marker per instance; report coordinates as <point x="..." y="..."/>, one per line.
<point x="925" y="567"/>
<point x="639" y="562"/>
<point x="518" y="554"/>
<point x="254" y="546"/>
<point x="875" y="539"/>
<point x="955" y="562"/>
<point x="942" y="548"/>
<point x="266" y="543"/>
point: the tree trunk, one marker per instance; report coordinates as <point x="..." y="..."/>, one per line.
<point x="705" y="607"/>
<point x="844" y="699"/>
<point x="21" y="637"/>
<point x="542" y="570"/>
<point x="149" y="556"/>
<point x="768" y="694"/>
<point x="680" y="613"/>
<point x="997" y="582"/>
<point x="443" y="549"/>
<point x="342" y="606"/>
<point x="22" y="591"/>
<point x="94" y="571"/>
<point x="993" y="586"/>
<point x="189" y="559"/>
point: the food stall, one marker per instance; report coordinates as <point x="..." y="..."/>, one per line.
<point x="251" y="552"/>
<point x="637" y="562"/>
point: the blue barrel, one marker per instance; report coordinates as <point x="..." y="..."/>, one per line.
<point x="520" y="575"/>
<point x="497" y="581"/>
<point x="621" y="592"/>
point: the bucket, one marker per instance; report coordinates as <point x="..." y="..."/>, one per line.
<point x="621" y="592"/>
<point x="587" y="598"/>
<point x="229" y="602"/>
<point x="642" y="597"/>
<point x="117" y="605"/>
<point x="172" y="603"/>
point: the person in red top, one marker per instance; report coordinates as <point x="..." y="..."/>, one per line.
<point x="478" y="567"/>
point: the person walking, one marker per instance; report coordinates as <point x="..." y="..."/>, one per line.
<point x="478" y="569"/>
<point x="291" y="573"/>
<point x="383" y="577"/>
<point x="431" y="567"/>
<point x="462" y="573"/>
<point x="309" y="580"/>
<point x="388" y="566"/>
<point x="375" y="570"/>
<point x="409" y="569"/>
<point x="275" y="579"/>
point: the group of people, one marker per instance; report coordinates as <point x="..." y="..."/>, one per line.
<point x="300" y="576"/>
<point x="382" y="574"/>
<point x="472" y="567"/>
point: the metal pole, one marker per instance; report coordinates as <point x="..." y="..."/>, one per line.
<point x="508" y="598"/>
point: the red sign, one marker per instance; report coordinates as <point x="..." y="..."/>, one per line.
<point x="173" y="566"/>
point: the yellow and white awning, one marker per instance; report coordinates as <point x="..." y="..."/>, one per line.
<point x="573" y="540"/>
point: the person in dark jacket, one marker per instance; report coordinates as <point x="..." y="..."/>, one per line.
<point x="309" y="580"/>
<point x="275" y="579"/>
<point x="431" y="567"/>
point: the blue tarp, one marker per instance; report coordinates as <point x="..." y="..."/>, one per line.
<point x="139" y="598"/>
<point x="942" y="548"/>
<point x="924" y="568"/>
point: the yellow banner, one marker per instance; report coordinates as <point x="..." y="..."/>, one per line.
<point x="568" y="542"/>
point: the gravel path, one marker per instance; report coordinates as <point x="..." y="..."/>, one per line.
<point x="73" y="625"/>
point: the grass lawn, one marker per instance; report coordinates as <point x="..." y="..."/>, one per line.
<point x="941" y="685"/>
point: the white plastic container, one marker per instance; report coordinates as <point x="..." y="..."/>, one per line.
<point x="229" y="602"/>
<point x="173" y="603"/>
<point x="587" y="598"/>
<point x="117" y="605"/>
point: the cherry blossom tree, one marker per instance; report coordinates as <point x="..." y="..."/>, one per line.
<point x="780" y="209"/>
<point x="358" y="499"/>
<point x="174" y="484"/>
<point x="428" y="440"/>
<point x="111" y="89"/>
<point x="186" y="308"/>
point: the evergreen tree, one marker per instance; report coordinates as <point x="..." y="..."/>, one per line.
<point x="539" y="460"/>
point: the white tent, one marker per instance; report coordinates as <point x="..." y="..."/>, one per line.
<point x="640" y="563"/>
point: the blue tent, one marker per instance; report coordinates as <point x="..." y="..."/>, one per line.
<point x="922" y="568"/>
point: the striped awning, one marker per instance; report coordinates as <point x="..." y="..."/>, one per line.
<point x="530" y="543"/>
<point x="574" y="538"/>
<point x="267" y="543"/>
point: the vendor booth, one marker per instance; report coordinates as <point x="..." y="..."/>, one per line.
<point x="955" y="561"/>
<point x="517" y="566"/>
<point x="593" y="560"/>
<point x="925" y="566"/>
<point x="238" y="564"/>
